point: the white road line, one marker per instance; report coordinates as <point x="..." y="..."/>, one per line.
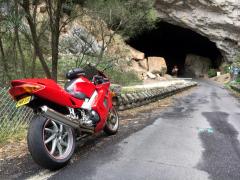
<point x="44" y="175"/>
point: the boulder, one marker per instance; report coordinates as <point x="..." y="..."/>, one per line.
<point x="136" y="55"/>
<point x="197" y="66"/>
<point x="157" y="65"/>
<point x="141" y="72"/>
<point x="144" y="64"/>
<point x="151" y="75"/>
<point x="136" y="66"/>
<point x="160" y="78"/>
<point x="167" y="76"/>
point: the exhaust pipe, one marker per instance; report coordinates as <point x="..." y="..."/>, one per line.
<point x="56" y="116"/>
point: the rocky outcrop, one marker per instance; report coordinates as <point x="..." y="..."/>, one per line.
<point x="140" y="71"/>
<point x="78" y="40"/>
<point x="144" y="64"/>
<point x="151" y="75"/>
<point x="152" y="67"/>
<point x="218" y="20"/>
<point x="136" y="55"/>
<point x="157" y="65"/>
<point x="197" y="66"/>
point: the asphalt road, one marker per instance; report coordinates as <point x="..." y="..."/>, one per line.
<point x="196" y="138"/>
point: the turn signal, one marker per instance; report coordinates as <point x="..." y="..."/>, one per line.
<point x="113" y="94"/>
<point x="30" y="88"/>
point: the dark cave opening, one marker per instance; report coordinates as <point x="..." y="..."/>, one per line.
<point x="174" y="43"/>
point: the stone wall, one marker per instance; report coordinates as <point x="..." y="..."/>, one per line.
<point x="146" y="96"/>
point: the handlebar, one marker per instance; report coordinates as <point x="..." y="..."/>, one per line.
<point x="97" y="79"/>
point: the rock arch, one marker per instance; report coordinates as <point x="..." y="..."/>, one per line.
<point x="179" y="46"/>
<point x="218" y="20"/>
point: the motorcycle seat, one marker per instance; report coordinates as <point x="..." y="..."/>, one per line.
<point x="75" y="73"/>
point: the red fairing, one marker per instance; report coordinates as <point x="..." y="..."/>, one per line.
<point x="100" y="106"/>
<point x="46" y="82"/>
<point x="51" y="91"/>
<point x="85" y="86"/>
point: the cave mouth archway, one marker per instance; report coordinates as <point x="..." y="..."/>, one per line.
<point x="174" y="43"/>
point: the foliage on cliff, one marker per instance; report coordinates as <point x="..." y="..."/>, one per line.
<point x="134" y="16"/>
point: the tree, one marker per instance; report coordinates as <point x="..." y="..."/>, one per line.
<point x="32" y="25"/>
<point x="17" y="39"/>
<point x="54" y="8"/>
<point x="55" y="16"/>
<point x="3" y="31"/>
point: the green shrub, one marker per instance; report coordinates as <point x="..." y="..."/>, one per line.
<point x="135" y="16"/>
<point x="226" y="68"/>
<point x="212" y="73"/>
<point x="238" y="79"/>
<point x="236" y="62"/>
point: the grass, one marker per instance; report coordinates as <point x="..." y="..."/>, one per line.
<point x="212" y="73"/>
<point x="238" y="80"/>
<point x="8" y="134"/>
<point x="228" y="86"/>
<point x="123" y="78"/>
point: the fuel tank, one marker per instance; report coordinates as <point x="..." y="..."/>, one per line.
<point x="82" y="85"/>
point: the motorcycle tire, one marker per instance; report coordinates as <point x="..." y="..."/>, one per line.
<point x="112" y="123"/>
<point x="44" y="140"/>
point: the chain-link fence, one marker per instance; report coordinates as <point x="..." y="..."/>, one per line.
<point x="12" y="120"/>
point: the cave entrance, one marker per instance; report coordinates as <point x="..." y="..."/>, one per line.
<point x="174" y="43"/>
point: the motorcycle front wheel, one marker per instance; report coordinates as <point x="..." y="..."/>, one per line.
<point x="112" y="123"/>
<point x="50" y="143"/>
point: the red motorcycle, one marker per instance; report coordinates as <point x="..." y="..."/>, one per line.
<point x="62" y="116"/>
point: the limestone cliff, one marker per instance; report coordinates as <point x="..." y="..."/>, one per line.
<point x="218" y="20"/>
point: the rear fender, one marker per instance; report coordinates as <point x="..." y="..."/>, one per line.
<point x="50" y="91"/>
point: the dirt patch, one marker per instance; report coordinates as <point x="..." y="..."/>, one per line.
<point x="13" y="150"/>
<point x="223" y="79"/>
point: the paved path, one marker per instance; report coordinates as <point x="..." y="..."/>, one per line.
<point x="197" y="138"/>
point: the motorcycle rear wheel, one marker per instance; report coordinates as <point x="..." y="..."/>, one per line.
<point x="112" y="123"/>
<point x="50" y="143"/>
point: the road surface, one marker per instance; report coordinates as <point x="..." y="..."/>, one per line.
<point x="197" y="138"/>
